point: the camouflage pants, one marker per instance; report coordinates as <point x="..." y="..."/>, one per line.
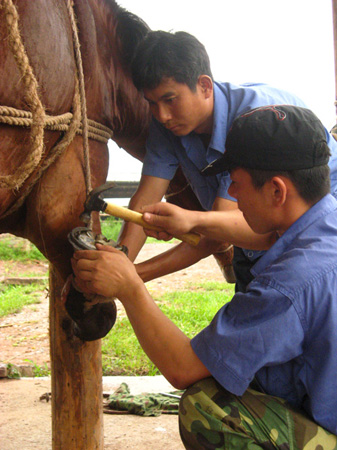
<point x="212" y="418"/>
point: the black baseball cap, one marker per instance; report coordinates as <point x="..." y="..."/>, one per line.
<point x="275" y="137"/>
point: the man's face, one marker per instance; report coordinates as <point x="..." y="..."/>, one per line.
<point x="179" y="109"/>
<point x="255" y="204"/>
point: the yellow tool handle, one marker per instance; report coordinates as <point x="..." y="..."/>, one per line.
<point x="135" y="217"/>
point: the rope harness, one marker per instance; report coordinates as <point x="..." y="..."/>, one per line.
<point x="20" y="118"/>
<point x="36" y="119"/>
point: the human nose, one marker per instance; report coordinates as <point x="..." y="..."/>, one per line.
<point x="162" y="114"/>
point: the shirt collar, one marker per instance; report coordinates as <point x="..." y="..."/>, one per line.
<point x="220" y="119"/>
<point x="325" y="206"/>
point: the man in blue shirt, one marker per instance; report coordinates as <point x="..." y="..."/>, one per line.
<point x="263" y="373"/>
<point x="192" y="115"/>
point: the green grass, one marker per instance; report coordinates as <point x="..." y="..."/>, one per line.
<point x="12" y="248"/>
<point x="14" y="297"/>
<point x="191" y="310"/>
<point x="38" y="370"/>
<point x="111" y="228"/>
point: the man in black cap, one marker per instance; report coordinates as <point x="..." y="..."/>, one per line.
<point x="263" y="373"/>
<point x="192" y="114"/>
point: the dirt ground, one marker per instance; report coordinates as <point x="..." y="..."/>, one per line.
<point x="26" y="421"/>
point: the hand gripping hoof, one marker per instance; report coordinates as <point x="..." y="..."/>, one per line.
<point x="93" y="316"/>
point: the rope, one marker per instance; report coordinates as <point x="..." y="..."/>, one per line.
<point x="21" y="118"/>
<point x="37" y="120"/>
<point x="172" y="194"/>
<point x="31" y="95"/>
<point x="79" y="65"/>
<point x="55" y="152"/>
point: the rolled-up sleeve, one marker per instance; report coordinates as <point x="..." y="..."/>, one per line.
<point x="257" y="329"/>
<point x="224" y="183"/>
<point x="160" y="159"/>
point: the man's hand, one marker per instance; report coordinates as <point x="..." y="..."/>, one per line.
<point x="150" y="190"/>
<point x="107" y="272"/>
<point x="173" y="219"/>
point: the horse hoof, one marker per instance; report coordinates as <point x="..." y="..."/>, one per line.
<point x="90" y="324"/>
<point x="97" y="322"/>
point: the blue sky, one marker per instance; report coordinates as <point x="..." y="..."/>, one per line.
<point x="288" y="44"/>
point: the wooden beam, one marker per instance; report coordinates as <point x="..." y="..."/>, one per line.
<point x="76" y="378"/>
<point x="124" y="189"/>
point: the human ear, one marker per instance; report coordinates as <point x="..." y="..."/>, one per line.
<point x="279" y="191"/>
<point x="206" y="84"/>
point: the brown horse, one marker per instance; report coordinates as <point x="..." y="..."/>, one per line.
<point x="42" y="202"/>
<point x="41" y="197"/>
<point x="107" y="36"/>
<point x="53" y="201"/>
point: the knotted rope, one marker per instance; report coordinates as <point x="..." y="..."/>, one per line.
<point x="20" y="118"/>
<point x="37" y="120"/>
<point x="31" y="95"/>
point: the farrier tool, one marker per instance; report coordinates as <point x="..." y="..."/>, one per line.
<point x="95" y="202"/>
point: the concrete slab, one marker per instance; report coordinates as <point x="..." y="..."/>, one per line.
<point x="138" y="385"/>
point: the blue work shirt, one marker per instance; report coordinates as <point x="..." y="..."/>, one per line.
<point x="165" y="151"/>
<point x="283" y="330"/>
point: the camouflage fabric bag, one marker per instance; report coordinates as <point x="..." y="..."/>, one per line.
<point x="148" y="404"/>
<point x="212" y="418"/>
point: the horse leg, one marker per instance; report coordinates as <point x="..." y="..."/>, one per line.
<point x="53" y="210"/>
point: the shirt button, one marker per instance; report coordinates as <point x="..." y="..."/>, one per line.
<point x="250" y="254"/>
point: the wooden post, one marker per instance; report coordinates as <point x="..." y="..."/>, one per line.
<point x="76" y="377"/>
<point x="334" y="17"/>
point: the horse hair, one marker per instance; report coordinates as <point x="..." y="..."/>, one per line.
<point x="130" y="30"/>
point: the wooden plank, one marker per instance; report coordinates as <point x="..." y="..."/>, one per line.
<point x="124" y="189"/>
<point x="76" y="378"/>
<point x="23" y="280"/>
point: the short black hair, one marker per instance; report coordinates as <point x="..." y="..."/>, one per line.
<point x="163" y="55"/>
<point x="311" y="184"/>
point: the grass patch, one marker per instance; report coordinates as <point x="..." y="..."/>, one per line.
<point x="38" y="370"/>
<point x="122" y="353"/>
<point x="12" y="248"/>
<point x="14" y="297"/>
<point x="111" y="227"/>
<point x="191" y="310"/>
